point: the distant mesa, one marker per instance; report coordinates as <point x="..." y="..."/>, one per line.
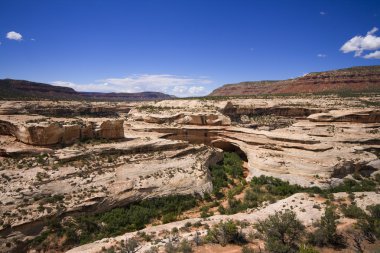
<point x="26" y="90"/>
<point x="355" y="79"/>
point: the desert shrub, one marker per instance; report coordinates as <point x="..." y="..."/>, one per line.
<point x="234" y="206"/>
<point x="224" y="233"/>
<point x="169" y="217"/>
<point x="281" y="231"/>
<point x="233" y="165"/>
<point x="221" y="173"/>
<point x="274" y="186"/>
<point x="130" y="245"/>
<point x="247" y="249"/>
<point x="350" y="185"/>
<point x="251" y="198"/>
<point x="326" y="233"/>
<point x="370" y="223"/>
<point x="219" y="179"/>
<point x="185" y="247"/>
<point x="353" y="211"/>
<point x="120" y="220"/>
<point x="170" y="248"/>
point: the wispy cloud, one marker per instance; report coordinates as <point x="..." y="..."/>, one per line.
<point x="359" y="44"/>
<point x="321" y="55"/>
<point x="180" y="86"/>
<point x="322" y="13"/>
<point x="14" y="36"/>
<point x="373" y="55"/>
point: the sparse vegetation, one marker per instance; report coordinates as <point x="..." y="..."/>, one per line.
<point x="282" y="232"/>
<point x="224" y="233"/>
<point x="118" y="220"/>
<point x="326" y="233"/>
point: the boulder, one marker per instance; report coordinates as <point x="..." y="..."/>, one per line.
<point x="110" y="129"/>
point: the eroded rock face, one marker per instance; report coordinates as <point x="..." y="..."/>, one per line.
<point x="167" y="150"/>
<point x="48" y="134"/>
<point x="236" y="110"/>
<point x="186" y="118"/>
<point x="358" y="116"/>
<point x="53" y="132"/>
<point x="89" y="181"/>
<point x="360" y="79"/>
<point x="111" y="129"/>
<point x="297" y="154"/>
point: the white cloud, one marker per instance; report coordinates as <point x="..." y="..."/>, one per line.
<point x="33" y="39"/>
<point x="196" y="89"/>
<point x="180" y="86"/>
<point x="14" y="36"/>
<point x="375" y="29"/>
<point x="359" y="44"/>
<point x="373" y="55"/>
<point x="321" y="55"/>
<point x="322" y="13"/>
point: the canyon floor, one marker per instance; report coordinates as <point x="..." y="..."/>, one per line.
<point x="63" y="161"/>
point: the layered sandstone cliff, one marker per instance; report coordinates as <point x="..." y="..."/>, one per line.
<point x="356" y="79"/>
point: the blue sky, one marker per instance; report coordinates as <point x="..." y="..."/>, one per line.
<point x="182" y="47"/>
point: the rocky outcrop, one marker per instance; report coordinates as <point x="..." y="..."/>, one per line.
<point x="356" y="79"/>
<point x="110" y="129"/>
<point x="210" y="119"/>
<point x="236" y="110"/>
<point x="298" y="153"/>
<point x="139" y="169"/>
<point x="167" y="150"/>
<point x="52" y="133"/>
<point x="358" y="116"/>
<point x="63" y="109"/>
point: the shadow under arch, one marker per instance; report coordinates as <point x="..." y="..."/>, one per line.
<point x="230" y="147"/>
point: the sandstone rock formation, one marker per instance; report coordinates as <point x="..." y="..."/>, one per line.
<point x="183" y="118"/>
<point x="43" y="131"/>
<point x="167" y="149"/>
<point x="359" y="116"/>
<point x="88" y="180"/>
<point x="356" y="79"/>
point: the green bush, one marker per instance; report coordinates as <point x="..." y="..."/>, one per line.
<point x="281" y="231"/>
<point x="224" y="233"/>
<point x="274" y="186"/>
<point x="185" y="247"/>
<point x="370" y="224"/>
<point x="251" y="198"/>
<point x="129" y="246"/>
<point x="235" y="206"/>
<point x="231" y="166"/>
<point x="326" y="233"/>
<point x="353" y="211"/>
<point x="219" y="179"/>
<point x="120" y="220"/>
<point x="247" y="249"/>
